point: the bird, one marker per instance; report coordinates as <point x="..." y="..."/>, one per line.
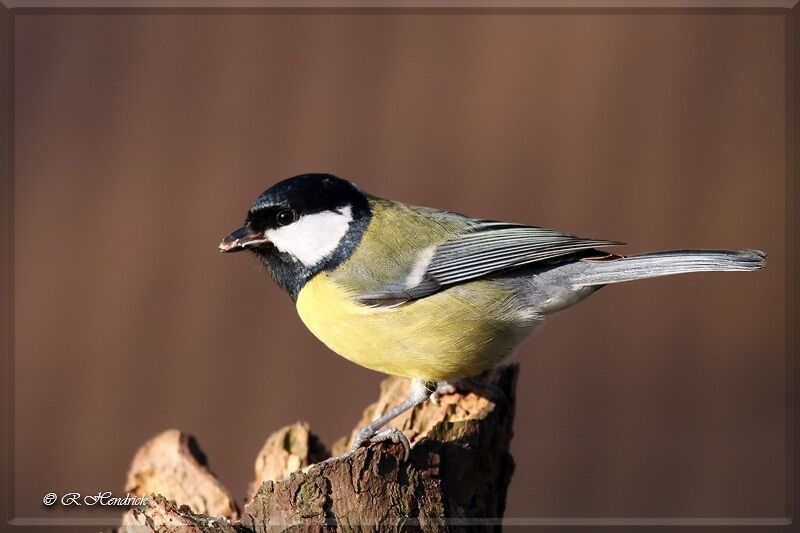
<point x="426" y="294"/>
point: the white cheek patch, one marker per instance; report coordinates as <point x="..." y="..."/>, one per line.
<point x="312" y="238"/>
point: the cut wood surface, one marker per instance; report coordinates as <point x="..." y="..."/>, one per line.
<point x="456" y="475"/>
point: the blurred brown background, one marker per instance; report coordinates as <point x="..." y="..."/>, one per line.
<point x="141" y="140"/>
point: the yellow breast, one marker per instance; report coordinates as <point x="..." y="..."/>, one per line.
<point x="454" y="333"/>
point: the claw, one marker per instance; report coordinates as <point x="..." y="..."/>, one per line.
<point x="396" y="436"/>
<point x="361" y="438"/>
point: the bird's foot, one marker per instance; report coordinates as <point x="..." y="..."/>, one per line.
<point x="464" y="385"/>
<point x="443" y="388"/>
<point x="366" y="437"/>
<point x="396" y="436"/>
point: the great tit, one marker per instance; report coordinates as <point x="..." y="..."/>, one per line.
<point x="430" y="295"/>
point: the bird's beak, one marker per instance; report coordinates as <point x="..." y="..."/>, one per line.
<point x="241" y="239"/>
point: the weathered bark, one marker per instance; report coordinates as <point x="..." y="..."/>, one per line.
<point x="163" y="515"/>
<point x="287" y="450"/>
<point x="457" y="474"/>
<point x="171" y="464"/>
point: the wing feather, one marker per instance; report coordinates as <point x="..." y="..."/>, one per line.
<point x="485" y="248"/>
<point x="493" y="246"/>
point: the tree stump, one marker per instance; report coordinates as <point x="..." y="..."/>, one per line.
<point x="456" y="475"/>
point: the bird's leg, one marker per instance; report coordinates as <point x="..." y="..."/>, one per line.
<point x="420" y="391"/>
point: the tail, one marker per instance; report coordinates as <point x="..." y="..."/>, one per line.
<point x="602" y="272"/>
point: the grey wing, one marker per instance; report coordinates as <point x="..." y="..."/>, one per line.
<point x="487" y="247"/>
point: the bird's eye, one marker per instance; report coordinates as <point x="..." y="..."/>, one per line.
<point x="285" y="217"/>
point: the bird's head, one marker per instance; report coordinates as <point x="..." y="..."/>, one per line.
<point x="301" y="226"/>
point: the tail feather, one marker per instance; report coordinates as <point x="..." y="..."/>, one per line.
<point x="603" y="272"/>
